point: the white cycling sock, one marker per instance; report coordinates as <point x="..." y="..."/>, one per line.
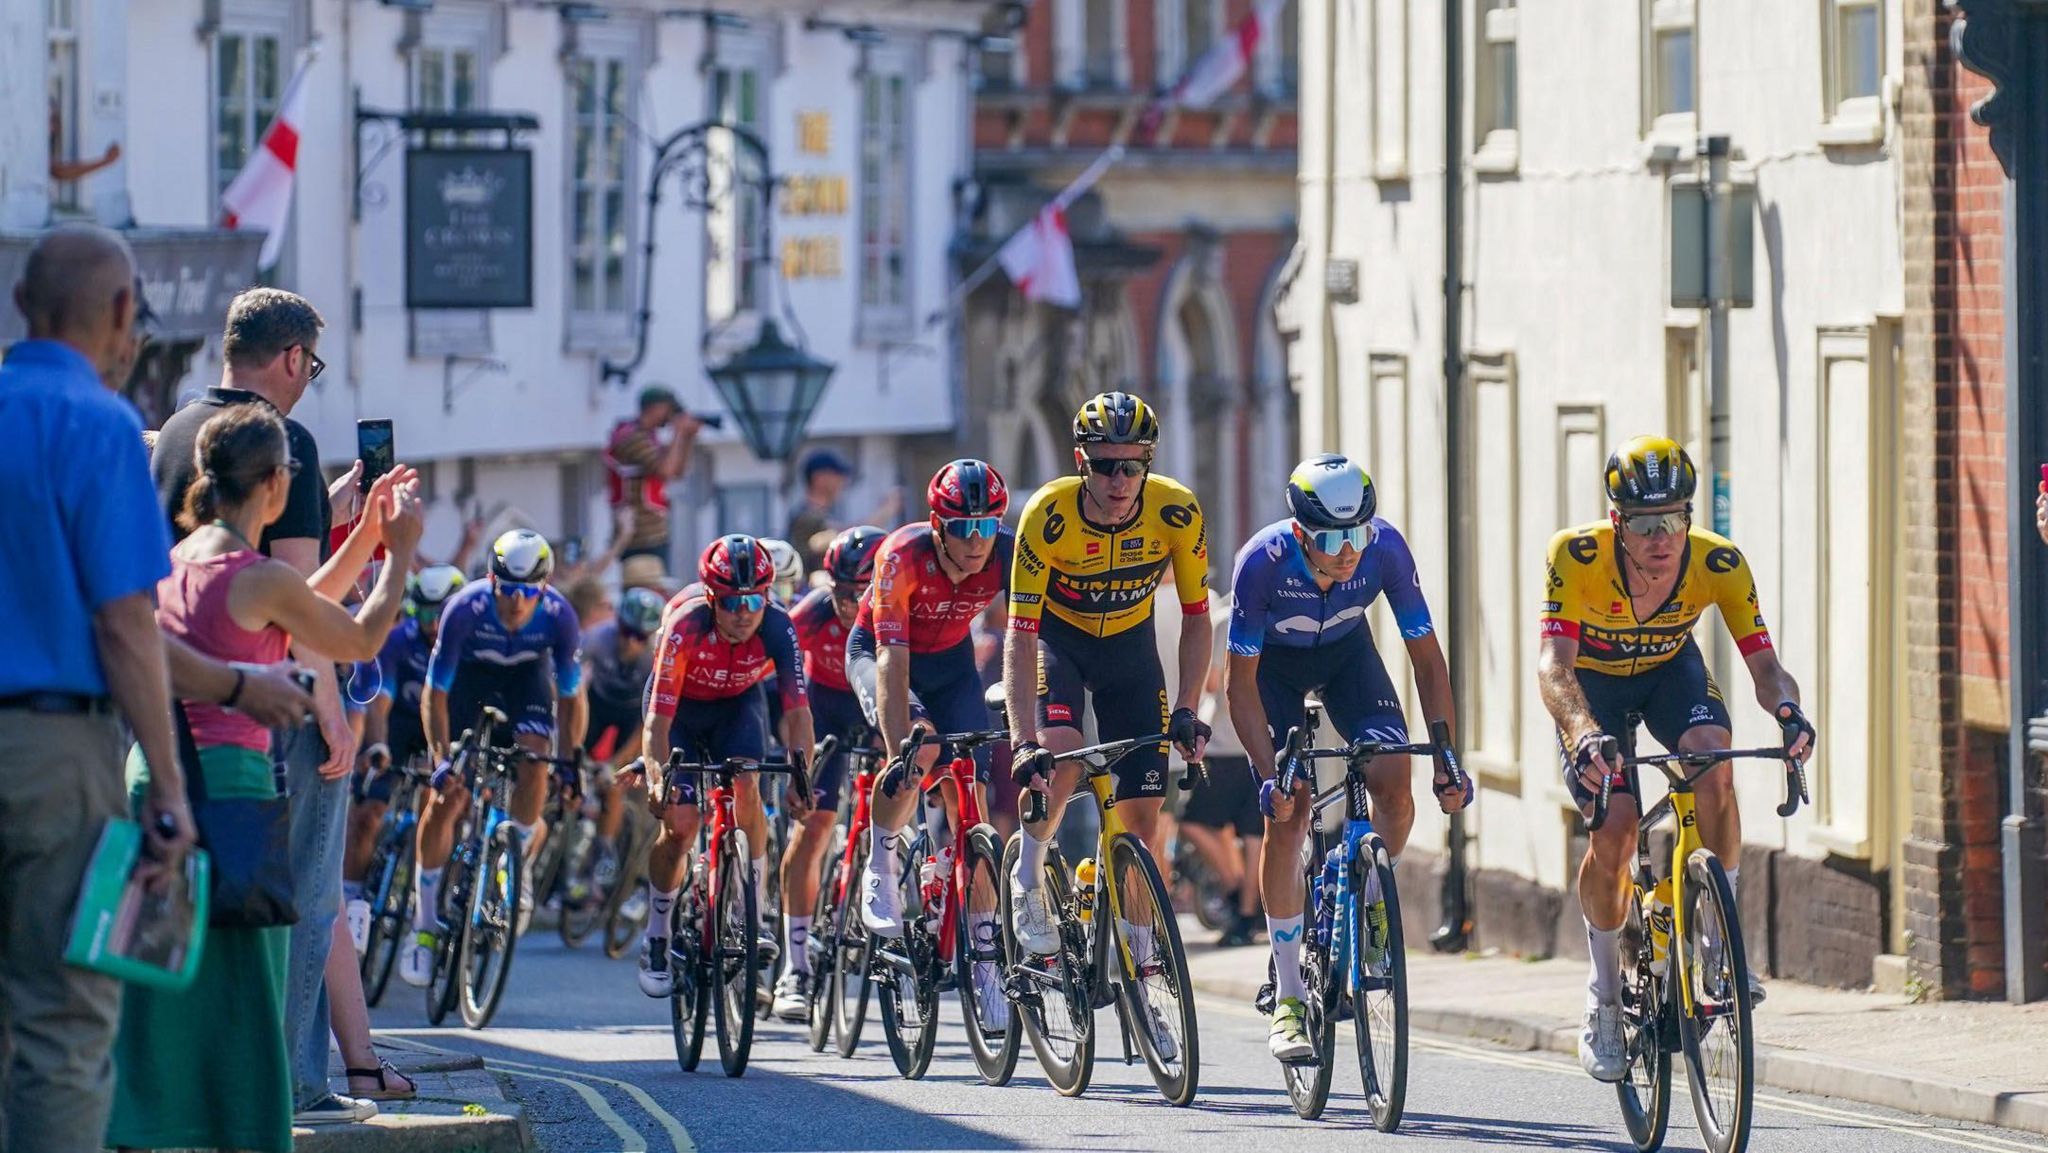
<point x="426" y="900"/>
<point x="942" y="833"/>
<point x="885" y="855"/>
<point x="1285" y="933"/>
<point x="796" y="934"/>
<point x="1031" y="861"/>
<point x="659" y="905"/>
<point x="1603" y="984"/>
<point x="351" y="890"/>
<point x="761" y="886"/>
<point x="1734" y="874"/>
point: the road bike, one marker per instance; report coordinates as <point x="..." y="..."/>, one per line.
<point x="589" y="900"/>
<point x="1199" y="889"/>
<point x="1057" y="994"/>
<point x="1353" y="957"/>
<point x="841" y="961"/>
<point x="481" y="890"/>
<point x="715" y="925"/>
<point x="566" y="836"/>
<point x="951" y="935"/>
<point x="388" y="880"/>
<point x="1684" y="969"/>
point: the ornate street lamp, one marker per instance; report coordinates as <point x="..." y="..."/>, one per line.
<point x="772" y="389"/>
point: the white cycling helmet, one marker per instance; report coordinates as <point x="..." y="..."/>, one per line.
<point x="789" y="566"/>
<point x="428" y="589"/>
<point x="523" y="556"/>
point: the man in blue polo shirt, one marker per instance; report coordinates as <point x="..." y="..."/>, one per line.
<point x="77" y="605"/>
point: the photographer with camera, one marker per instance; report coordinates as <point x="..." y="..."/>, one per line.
<point x="643" y="454"/>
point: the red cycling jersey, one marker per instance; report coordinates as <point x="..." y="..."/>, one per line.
<point x="693" y="663"/>
<point x="912" y="602"/>
<point x="822" y="639"/>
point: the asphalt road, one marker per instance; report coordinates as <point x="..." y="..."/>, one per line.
<point x="594" y="1064"/>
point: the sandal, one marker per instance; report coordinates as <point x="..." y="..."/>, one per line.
<point x="383" y="1072"/>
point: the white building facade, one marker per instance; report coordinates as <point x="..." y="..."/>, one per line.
<point x="864" y="109"/>
<point x="1576" y="117"/>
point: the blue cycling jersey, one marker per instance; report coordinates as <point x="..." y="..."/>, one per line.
<point x="1275" y="601"/>
<point x="401" y="666"/>
<point x="471" y="631"/>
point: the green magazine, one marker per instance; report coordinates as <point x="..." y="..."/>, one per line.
<point x="125" y="929"/>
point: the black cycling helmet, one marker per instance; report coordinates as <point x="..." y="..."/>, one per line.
<point x="1649" y="471"/>
<point x="850" y="558"/>
<point x="1330" y="491"/>
<point x="1116" y="418"/>
<point x="640" y="611"/>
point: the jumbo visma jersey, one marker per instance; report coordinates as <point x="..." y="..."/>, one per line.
<point x="1100" y="579"/>
<point x="1587" y="598"/>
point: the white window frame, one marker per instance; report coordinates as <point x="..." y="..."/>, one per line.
<point x="66" y="73"/>
<point x="1390" y="149"/>
<point x="1497" y="767"/>
<point x="732" y="278"/>
<point x="886" y="320"/>
<point x="451" y="29"/>
<point x="250" y="21"/>
<point x="1275" y="50"/>
<point x="1850" y="120"/>
<point x="1070" y="43"/>
<point x="609" y="327"/>
<point x="1172" y="51"/>
<point x="1671" y="128"/>
<point x="1496" y="150"/>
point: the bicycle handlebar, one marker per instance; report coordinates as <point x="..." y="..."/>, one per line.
<point x="919" y="737"/>
<point x="1033" y="805"/>
<point x="730" y="768"/>
<point x="1294" y="756"/>
<point x="1610" y="751"/>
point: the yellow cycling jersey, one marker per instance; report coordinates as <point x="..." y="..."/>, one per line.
<point x="1587" y="599"/>
<point x="1101" y="579"/>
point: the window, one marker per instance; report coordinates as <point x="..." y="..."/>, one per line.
<point x="603" y="78"/>
<point x="249" y="76"/>
<point x="1852" y="35"/>
<point x="62" y="25"/>
<point x="885" y="194"/>
<point x="1389" y="32"/>
<point x="447" y="68"/>
<point x="1495" y="126"/>
<point x="1670" y="70"/>
<point x="1004" y="68"/>
<point x="739" y="94"/>
<point x="1090" y="41"/>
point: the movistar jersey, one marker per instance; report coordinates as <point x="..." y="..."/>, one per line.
<point x="1275" y="601"/>
<point x="402" y="664"/>
<point x="473" y="633"/>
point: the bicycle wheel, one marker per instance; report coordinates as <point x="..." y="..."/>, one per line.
<point x="823" y="946"/>
<point x="853" y="961"/>
<point x="735" y="935"/>
<point x="444" y="987"/>
<point x="1646" y="1093"/>
<point x="1308" y="1082"/>
<point x="689" y="998"/>
<point x="544" y="869"/>
<point x="1720" y="1057"/>
<point x="1053" y="998"/>
<point x="1380" y="1003"/>
<point x="583" y="907"/>
<point x="491" y="930"/>
<point x="391" y="915"/>
<point x="625" y="917"/>
<point x="907" y="972"/>
<point x="1152" y="970"/>
<point x="980" y="963"/>
<point x="1197" y="889"/>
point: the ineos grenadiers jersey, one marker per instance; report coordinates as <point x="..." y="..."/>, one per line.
<point x="822" y="639"/>
<point x="402" y="665"/>
<point x="1275" y="601"/>
<point x="614" y="682"/>
<point x="913" y="602"/>
<point x="693" y="663"/>
<point x="471" y="631"/>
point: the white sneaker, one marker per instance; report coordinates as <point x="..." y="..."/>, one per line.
<point x="416" y="965"/>
<point x="1602" y="1052"/>
<point x="881" y="904"/>
<point x="359" y="924"/>
<point x="1288" y="1038"/>
<point x="1029" y="919"/>
<point x="1162" y="1037"/>
<point x="525" y="900"/>
<point x="793" y="997"/>
<point x="655" y="978"/>
<point x="993" y="1006"/>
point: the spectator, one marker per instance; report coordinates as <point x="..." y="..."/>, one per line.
<point x="269" y="356"/>
<point x="209" y="1066"/>
<point x="643" y="454"/>
<point x="815" y="521"/>
<point x="75" y="606"/>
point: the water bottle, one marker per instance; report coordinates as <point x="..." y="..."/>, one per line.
<point x="1323" y="912"/>
<point x="1084" y="898"/>
<point x="931" y="879"/>
<point x="1657" y="916"/>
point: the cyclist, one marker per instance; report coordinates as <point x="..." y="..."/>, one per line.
<point x="789" y="571"/>
<point x="1300" y="592"/>
<point x="392" y="734"/>
<point x="822" y="620"/>
<point x="1090" y="550"/>
<point x="1622" y="598"/>
<point x="706" y="698"/>
<point x="497" y="644"/>
<point x="618" y="657"/>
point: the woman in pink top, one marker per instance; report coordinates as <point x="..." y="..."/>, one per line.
<point x="208" y="1067"/>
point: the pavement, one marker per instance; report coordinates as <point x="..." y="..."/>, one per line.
<point x="462" y="1107"/>
<point x="1976" y="1061"/>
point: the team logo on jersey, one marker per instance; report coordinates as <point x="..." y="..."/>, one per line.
<point x="1177" y="515"/>
<point x="1029" y="560"/>
<point x="1583" y="549"/>
<point x="1131" y="543"/>
<point x="1055" y="528"/>
<point x="1722" y="560"/>
<point x="1556" y="581"/>
<point x="1277" y="547"/>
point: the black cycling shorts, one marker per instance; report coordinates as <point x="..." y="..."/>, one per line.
<point x="945" y="689"/>
<point x="711" y="732"/>
<point x="613" y="725"/>
<point x="1674" y="698"/>
<point x="1229" y="801"/>
<point x="525" y="693"/>
<point x="1122" y="671"/>
<point x="406" y="740"/>
<point x="833" y="714"/>
<point x="1347" y="675"/>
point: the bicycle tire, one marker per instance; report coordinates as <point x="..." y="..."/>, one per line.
<point x="1198" y="889"/>
<point x="1308" y="1084"/>
<point x="910" y="1000"/>
<point x="1379" y="1024"/>
<point x="995" y="1057"/>
<point x="1066" y="1000"/>
<point x="1161" y="976"/>
<point x="689" y="1001"/>
<point x="491" y="931"/>
<point x="579" y="919"/>
<point x="442" y="985"/>
<point x="621" y="931"/>
<point x="735" y="936"/>
<point x="1645" y="1094"/>
<point x="1724" y="1119"/>
<point x="824" y="949"/>
<point x="391" y="917"/>
<point x="853" y="967"/>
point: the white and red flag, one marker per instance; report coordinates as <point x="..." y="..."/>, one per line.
<point x="1218" y="70"/>
<point x="1039" y="259"/>
<point x="260" y="198"/>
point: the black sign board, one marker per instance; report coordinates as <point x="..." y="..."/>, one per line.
<point x="468" y="228"/>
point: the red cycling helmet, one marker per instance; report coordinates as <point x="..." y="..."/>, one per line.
<point x="736" y="564"/>
<point x="967" y="488"/>
<point x="850" y="558"/>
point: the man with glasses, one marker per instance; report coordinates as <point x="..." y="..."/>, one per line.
<point x="911" y="658"/>
<point x="1619" y="607"/>
<point x="1299" y="595"/>
<point x="500" y="639"/>
<point x="715" y="651"/>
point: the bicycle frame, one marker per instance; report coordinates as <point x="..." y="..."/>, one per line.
<point x="713" y="831"/>
<point x="958" y="769"/>
<point x="857" y="823"/>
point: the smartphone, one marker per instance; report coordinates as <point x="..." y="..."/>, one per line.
<point x="376" y="449"/>
<point x="2044" y="478"/>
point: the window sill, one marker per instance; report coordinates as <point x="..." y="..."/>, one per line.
<point x="603" y="332"/>
<point x="1671" y="139"/>
<point x="1845" y="132"/>
<point x="1500" y="154"/>
<point x="875" y="329"/>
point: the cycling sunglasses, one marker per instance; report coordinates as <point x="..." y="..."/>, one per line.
<point x="743" y="603"/>
<point x="1135" y="467"/>
<point x="969" y="527"/>
<point x="1333" y="540"/>
<point x="1657" y="523"/>
<point x="519" y="589"/>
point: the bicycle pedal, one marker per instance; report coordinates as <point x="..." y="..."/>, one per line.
<point x="1307" y="1061"/>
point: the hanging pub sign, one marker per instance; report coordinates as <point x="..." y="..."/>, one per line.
<point x="468" y="228"/>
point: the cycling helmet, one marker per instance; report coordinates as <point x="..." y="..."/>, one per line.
<point x="640" y="611"/>
<point x="850" y="558"/>
<point x="967" y="488"/>
<point x="428" y="589"/>
<point x="1650" y="470"/>
<point x="522" y="555"/>
<point x="734" y="564"/>
<point x="1330" y="491"/>
<point x="789" y="564"/>
<point x="1116" y="418"/>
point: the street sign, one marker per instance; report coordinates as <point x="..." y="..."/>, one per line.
<point x="1691" y="263"/>
<point x="468" y="228"/>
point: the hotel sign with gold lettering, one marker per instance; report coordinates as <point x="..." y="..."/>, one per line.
<point x="809" y="196"/>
